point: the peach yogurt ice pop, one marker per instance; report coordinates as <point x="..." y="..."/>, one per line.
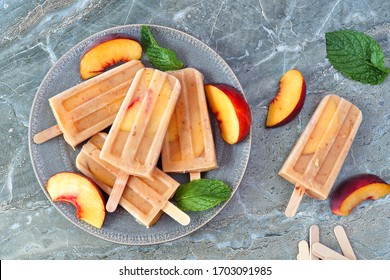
<point x="145" y="199"/>
<point x="91" y="106"/>
<point x="188" y="144"/>
<point x="316" y="159"/>
<point x="134" y="142"/>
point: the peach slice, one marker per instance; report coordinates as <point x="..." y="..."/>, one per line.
<point x="82" y="193"/>
<point x="356" y="189"/>
<point x="289" y="100"/>
<point x="108" y="51"/>
<point x="231" y="110"/>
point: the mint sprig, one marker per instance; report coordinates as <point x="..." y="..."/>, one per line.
<point x="202" y="194"/>
<point x="162" y="58"/>
<point x="357" y="56"/>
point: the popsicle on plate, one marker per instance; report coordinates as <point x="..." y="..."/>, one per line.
<point x="189" y="144"/>
<point x="91" y="106"/>
<point x="143" y="198"/>
<point x="316" y="159"/>
<point x="135" y="139"/>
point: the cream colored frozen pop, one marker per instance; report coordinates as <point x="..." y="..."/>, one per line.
<point x="143" y="198"/>
<point x="189" y="144"/>
<point x="135" y="139"/>
<point x="91" y="106"/>
<point x="316" y="159"/>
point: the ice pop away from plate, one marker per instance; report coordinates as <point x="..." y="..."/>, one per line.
<point x="135" y="139"/>
<point x="189" y="144"/>
<point x="316" y="159"/>
<point x="142" y="198"/>
<point x="91" y="106"/>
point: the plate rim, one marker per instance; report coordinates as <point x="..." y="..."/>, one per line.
<point x="90" y="229"/>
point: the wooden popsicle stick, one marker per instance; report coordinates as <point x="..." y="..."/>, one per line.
<point x="344" y="243"/>
<point x="314" y="236"/>
<point x="325" y="253"/>
<point x="175" y="213"/>
<point x="47" y="134"/>
<point x="117" y="191"/>
<point x="194" y="176"/>
<point x="304" y="253"/>
<point x="299" y="257"/>
<point x="294" y="202"/>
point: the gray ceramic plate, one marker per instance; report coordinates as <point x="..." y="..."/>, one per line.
<point x="56" y="155"/>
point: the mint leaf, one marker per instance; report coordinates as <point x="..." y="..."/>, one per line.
<point x="161" y="58"/>
<point x="202" y="194"/>
<point x="357" y="56"/>
<point x="147" y="39"/>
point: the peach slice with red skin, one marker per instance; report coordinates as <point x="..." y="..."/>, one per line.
<point x="289" y="100"/>
<point x="231" y="111"/>
<point x="82" y="193"/>
<point x="355" y="190"/>
<point x="108" y="51"/>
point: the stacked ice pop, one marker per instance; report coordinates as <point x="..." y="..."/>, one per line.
<point x="317" y="157"/>
<point x="135" y="139"/>
<point x="91" y="106"/>
<point x="188" y="144"/>
<point x="143" y="198"/>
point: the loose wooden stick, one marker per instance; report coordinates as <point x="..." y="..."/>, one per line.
<point x="344" y="243"/>
<point x="178" y="215"/>
<point x="194" y="176"/>
<point x="117" y="191"/>
<point x="294" y="202"/>
<point x="314" y="236"/>
<point x="304" y="253"/>
<point x="47" y="134"/>
<point x="325" y="253"/>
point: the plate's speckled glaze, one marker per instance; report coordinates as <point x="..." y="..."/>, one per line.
<point x="56" y="155"/>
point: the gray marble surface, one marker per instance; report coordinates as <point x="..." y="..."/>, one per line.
<point x="260" y="40"/>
